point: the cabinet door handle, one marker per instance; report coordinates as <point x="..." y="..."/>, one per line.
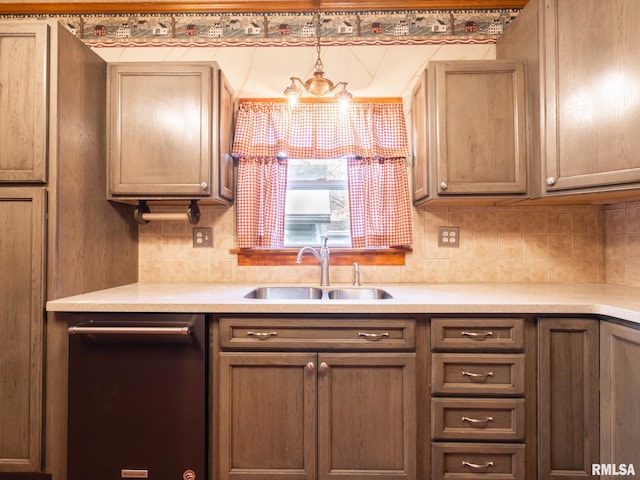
<point x="477" y="421"/>
<point x="443" y="185"/>
<point x="311" y="366"/>
<point x="324" y="367"/>
<point x="551" y="181"/>
<point x="262" y="335"/>
<point x="484" y="375"/>
<point x="373" y="336"/>
<point x="476" y="335"/>
<point x="204" y="186"/>
<point x="477" y="466"/>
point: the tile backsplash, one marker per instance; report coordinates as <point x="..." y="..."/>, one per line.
<point x="622" y="243"/>
<point x="565" y="244"/>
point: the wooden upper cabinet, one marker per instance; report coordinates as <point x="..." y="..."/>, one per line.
<point x="475" y="143"/>
<point x="592" y="90"/>
<point x="419" y="123"/>
<point x="169" y="132"/>
<point x="584" y="97"/>
<point x="23" y="101"/>
<point x="225" y="169"/>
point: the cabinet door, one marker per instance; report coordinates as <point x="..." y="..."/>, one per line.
<point x="22" y="243"/>
<point x="420" y="151"/>
<point x="23" y="102"/>
<point x="267" y="422"/>
<point x="568" y="403"/>
<point x="478" y="109"/>
<point x="591" y="79"/>
<point x="225" y="170"/>
<point x="367" y="416"/>
<point x="160" y="130"/>
<point x="619" y="400"/>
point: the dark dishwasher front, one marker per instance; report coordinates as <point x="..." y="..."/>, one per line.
<point x="137" y="397"/>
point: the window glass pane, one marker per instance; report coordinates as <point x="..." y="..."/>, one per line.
<point x="317" y="203"/>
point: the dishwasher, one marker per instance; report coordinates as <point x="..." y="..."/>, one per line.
<point x="137" y="396"/>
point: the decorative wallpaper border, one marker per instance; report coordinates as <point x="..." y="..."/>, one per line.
<point x="287" y="29"/>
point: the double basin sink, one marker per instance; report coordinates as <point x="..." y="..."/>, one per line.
<point x="315" y="293"/>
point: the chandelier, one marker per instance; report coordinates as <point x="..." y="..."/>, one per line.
<point x="317" y="85"/>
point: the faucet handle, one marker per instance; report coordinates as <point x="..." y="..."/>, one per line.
<point x="325" y="239"/>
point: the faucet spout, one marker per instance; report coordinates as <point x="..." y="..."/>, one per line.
<point x="322" y="257"/>
<point x="307" y="249"/>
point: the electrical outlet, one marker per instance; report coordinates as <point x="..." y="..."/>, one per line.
<point x="202" y="237"/>
<point x="449" y="237"/>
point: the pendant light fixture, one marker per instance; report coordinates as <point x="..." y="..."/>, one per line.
<point x="318" y="85"/>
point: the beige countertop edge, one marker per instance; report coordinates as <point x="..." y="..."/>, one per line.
<point x="548" y="299"/>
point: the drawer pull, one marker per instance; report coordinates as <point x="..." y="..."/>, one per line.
<point x="477" y="466"/>
<point x="477" y="376"/>
<point x="262" y="335"/>
<point x="476" y="335"/>
<point x="373" y="336"/>
<point x="477" y="421"/>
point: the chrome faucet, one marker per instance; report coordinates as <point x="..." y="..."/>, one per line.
<point x="356" y="274"/>
<point x="323" y="258"/>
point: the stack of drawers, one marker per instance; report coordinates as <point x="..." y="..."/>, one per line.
<point x="478" y="398"/>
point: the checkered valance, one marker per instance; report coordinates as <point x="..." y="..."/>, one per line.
<point x="320" y="130"/>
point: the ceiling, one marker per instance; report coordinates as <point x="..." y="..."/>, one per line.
<point x="263" y="72"/>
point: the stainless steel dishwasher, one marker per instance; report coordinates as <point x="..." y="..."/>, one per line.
<point x="137" y="396"/>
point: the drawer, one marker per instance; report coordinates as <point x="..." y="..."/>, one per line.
<point x="501" y="419"/>
<point x="267" y="333"/>
<point x="477" y="374"/>
<point x="477" y="334"/>
<point x="456" y="461"/>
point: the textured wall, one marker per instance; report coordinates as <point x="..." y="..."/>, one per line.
<point x="497" y="244"/>
<point x="622" y="243"/>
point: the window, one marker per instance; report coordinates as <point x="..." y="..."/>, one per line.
<point x="317" y="203"/>
<point x="317" y="169"/>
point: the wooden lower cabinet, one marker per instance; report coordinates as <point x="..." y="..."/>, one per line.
<point x="458" y="461"/>
<point x="482" y="402"/>
<point x="544" y="398"/>
<point x="568" y="397"/>
<point x="307" y="415"/>
<point x="619" y="397"/>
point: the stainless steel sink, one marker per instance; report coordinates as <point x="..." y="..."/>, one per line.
<point x="315" y="293"/>
<point x="358" y="294"/>
<point x="285" y="293"/>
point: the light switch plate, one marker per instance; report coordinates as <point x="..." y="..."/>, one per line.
<point x="203" y="237"/>
<point x="449" y="237"/>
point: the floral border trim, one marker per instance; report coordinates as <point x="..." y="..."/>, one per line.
<point x="287" y="29"/>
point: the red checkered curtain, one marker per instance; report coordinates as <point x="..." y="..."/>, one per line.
<point x="374" y="133"/>
<point x="261" y="193"/>
<point x="379" y="202"/>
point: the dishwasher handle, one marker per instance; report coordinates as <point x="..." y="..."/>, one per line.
<point x="152" y="330"/>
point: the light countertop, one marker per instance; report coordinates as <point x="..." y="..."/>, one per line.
<point x="554" y="299"/>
